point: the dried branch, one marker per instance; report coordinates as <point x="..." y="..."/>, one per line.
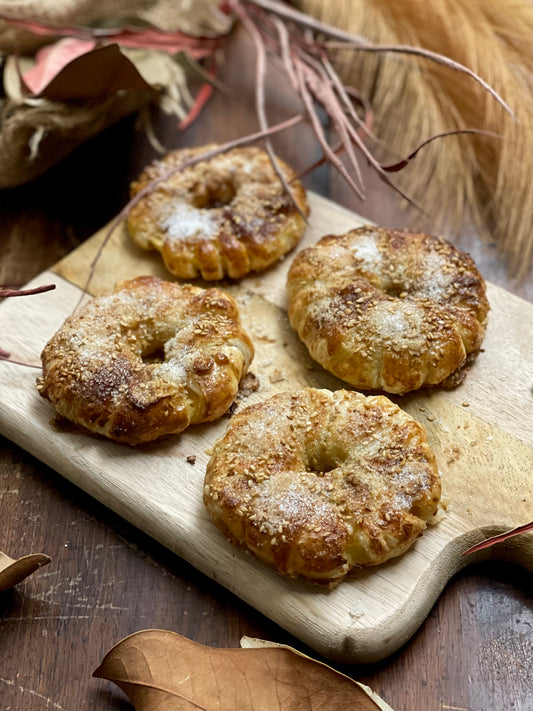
<point x="260" y="97"/>
<point x="426" y="54"/>
<point x="26" y="292"/>
<point x="454" y="132"/>
<point x="304" y="57"/>
<point x="302" y="20"/>
<point x="499" y="538"/>
<point x="151" y="186"/>
<point x="345" y="40"/>
<point x="304" y="83"/>
<point x="6" y="355"/>
<point x="303" y="45"/>
<point x="9" y="292"/>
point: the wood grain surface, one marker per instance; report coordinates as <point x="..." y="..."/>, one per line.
<point x="108" y="579"/>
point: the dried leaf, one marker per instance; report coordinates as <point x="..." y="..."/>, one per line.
<point x="14" y="571"/>
<point x="50" y="60"/>
<point x="163" y="671"/>
<point x="104" y="71"/>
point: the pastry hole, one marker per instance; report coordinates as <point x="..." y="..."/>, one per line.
<point x="156" y="354"/>
<point x="323" y="462"/>
<point x="396" y="291"/>
<point x="215" y="195"/>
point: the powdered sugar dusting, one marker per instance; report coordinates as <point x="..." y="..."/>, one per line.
<point x="403" y="322"/>
<point x="172" y="371"/>
<point x="187" y="222"/>
<point x="436" y="277"/>
<point x="366" y="249"/>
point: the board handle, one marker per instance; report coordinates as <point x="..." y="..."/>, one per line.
<point x="515" y="546"/>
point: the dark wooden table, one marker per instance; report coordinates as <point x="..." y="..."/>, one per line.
<point x="107" y="579"/>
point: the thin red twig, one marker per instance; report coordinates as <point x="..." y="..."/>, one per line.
<point x="9" y="292"/>
<point x="499" y="538"/>
<point x="319" y="131"/>
<point x="150" y="187"/>
<point x="346" y="40"/>
<point x="426" y="54"/>
<point x="260" y="97"/>
<point x="285" y="51"/>
<point x="5" y="355"/>
<point x="26" y="292"/>
<point x="200" y="100"/>
<point x="454" y="132"/>
<point x="325" y="90"/>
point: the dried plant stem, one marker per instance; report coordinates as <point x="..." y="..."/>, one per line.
<point x="10" y="292"/>
<point x="5" y="355"/>
<point x="453" y="132"/>
<point x="299" y="18"/>
<point x="348" y="41"/>
<point x="499" y="538"/>
<point x="426" y="54"/>
<point x="284" y="43"/>
<point x="26" y="292"/>
<point x="207" y="155"/>
<point x="304" y="82"/>
<point x="260" y="98"/>
<point x="305" y="60"/>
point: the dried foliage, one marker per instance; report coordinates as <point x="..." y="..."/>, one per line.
<point x="161" y="670"/>
<point x="414" y="98"/>
<point x="14" y="571"/>
<point x="201" y="18"/>
<point x="88" y="79"/>
<point x="303" y="46"/>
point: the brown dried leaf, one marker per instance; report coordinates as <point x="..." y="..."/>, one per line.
<point x="163" y="671"/>
<point x="76" y="70"/>
<point x="14" y="571"/>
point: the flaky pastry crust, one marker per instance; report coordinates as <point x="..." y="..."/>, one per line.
<point x="227" y="216"/>
<point x="148" y="360"/>
<point x="388" y="309"/>
<point x="316" y="482"/>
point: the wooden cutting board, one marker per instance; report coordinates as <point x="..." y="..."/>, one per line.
<point x="482" y="434"/>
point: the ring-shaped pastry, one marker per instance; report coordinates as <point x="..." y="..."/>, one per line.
<point x="316" y="482"/>
<point x="227" y="216"/>
<point x="148" y="360"/>
<point x="387" y="309"/>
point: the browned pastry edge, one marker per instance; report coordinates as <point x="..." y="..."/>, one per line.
<point x="148" y="360"/>
<point x="387" y="309"/>
<point x="316" y="482"/>
<point x="227" y="216"/>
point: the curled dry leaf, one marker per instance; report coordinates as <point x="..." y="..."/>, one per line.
<point x="14" y="571"/>
<point x="163" y="671"/>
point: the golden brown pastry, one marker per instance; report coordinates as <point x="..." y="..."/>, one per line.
<point x="316" y="482"/>
<point x="224" y="217"/>
<point x="387" y="309"/>
<point x="148" y="360"/>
